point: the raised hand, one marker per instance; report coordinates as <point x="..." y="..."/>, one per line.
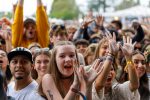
<point x="86" y="21"/>
<point x="99" y="20"/>
<point x="127" y="47"/>
<point x="113" y="47"/>
<point x="93" y="72"/>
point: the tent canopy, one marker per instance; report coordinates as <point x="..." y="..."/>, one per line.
<point x="137" y="11"/>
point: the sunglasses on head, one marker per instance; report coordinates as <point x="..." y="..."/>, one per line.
<point x="40" y="50"/>
<point x="54" y="27"/>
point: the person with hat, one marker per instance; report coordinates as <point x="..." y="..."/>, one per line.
<point x="20" y="61"/>
<point x="24" y="33"/>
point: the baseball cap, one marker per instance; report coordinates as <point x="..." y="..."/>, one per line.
<point x="20" y="51"/>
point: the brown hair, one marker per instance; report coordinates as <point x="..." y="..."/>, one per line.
<point x="53" y="69"/>
<point x="90" y="51"/>
<point x="104" y="40"/>
<point x="144" y="84"/>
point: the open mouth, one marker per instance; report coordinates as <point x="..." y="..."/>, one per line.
<point x="31" y="33"/>
<point x="67" y="67"/>
<point x="1" y="61"/>
<point x="109" y="79"/>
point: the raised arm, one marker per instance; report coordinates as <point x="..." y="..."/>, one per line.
<point x="39" y="3"/>
<point x="113" y="49"/>
<point x="42" y="25"/>
<point x="17" y="26"/>
<point x="128" y="49"/>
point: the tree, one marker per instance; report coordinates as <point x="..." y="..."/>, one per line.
<point x="64" y="9"/>
<point x="95" y="5"/>
<point x="126" y="4"/>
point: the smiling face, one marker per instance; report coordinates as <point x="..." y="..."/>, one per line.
<point x="140" y="64"/>
<point x="65" y="59"/>
<point x="42" y="62"/>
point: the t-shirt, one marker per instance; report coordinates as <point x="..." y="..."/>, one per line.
<point x="34" y="95"/>
<point x="23" y="93"/>
<point x="121" y="92"/>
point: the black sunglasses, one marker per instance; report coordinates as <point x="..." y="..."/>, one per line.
<point x="54" y="27"/>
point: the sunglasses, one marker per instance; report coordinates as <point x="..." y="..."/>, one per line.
<point x="40" y="50"/>
<point x="54" y="27"/>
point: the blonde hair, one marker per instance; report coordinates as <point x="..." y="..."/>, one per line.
<point x="53" y="69"/>
<point x="101" y="42"/>
<point x="90" y="51"/>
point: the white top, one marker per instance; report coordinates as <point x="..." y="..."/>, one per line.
<point x="23" y="93"/>
<point x="120" y="92"/>
<point x="35" y="96"/>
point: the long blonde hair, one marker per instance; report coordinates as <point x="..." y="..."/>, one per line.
<point x="53" y="69"/>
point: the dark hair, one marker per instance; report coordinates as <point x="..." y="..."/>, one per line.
<point x="144" y="83"/>
<point x="81" y="41"/>
<point x="29" y="21"/>
<point x="118" y="23"/>
<point x="58" y="29"/>
<point x="144" y="88"/>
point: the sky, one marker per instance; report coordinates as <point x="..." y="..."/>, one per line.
<point x="30" y="8"/>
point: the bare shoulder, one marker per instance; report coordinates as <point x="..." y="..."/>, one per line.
<point x="47" y="78"/>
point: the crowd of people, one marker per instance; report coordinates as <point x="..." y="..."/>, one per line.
<point x="40" y="60"/>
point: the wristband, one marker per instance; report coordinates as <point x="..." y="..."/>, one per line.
<point x="78" y="92"/>
<point x="128" y="63"/>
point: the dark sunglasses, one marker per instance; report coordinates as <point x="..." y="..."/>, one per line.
<point x="54" y="27"/>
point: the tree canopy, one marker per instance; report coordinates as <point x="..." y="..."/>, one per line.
<point x="64" y="9"/>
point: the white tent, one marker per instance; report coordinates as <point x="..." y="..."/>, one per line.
<point x="136" y="11"/>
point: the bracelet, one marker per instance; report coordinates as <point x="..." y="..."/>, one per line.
<point x="78" y="92"/>
<point x="126" y="67"/>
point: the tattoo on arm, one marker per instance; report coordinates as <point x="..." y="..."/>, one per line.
<point x="49" y="93"/>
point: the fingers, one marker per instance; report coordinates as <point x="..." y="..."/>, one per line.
<point x="124" y="39"/>
<point x="134" y="44"/>
<point x="114" y="36"/>
<point x="99" y="68"/>
<point x="94" y="65"/>
<point x="128" y="39"/>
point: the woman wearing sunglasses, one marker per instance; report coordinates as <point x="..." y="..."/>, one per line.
<point x="41" y="59"/>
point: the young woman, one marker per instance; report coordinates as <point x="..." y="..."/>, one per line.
<point x="4" y="65"/>
<point x="139" y="62"/>
<point x="65" y="79"/>
<point x="41" y="61"/>
<point x="105" y="84"/>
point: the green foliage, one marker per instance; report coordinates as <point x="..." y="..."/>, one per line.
<point x="126" y="4"/>
<point x="6" y="14"/>
<point x="95" y="5"/>
<point x="64" y="9"/>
